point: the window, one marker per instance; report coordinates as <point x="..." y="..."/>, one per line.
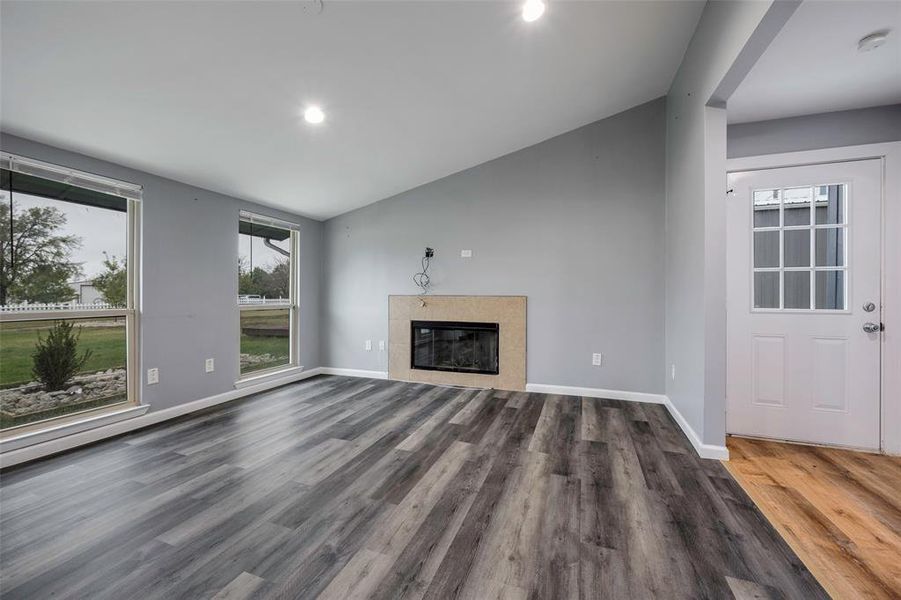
<point x="68" y="251"/>
<point x="799" y="253"/>
<point x="267" y="297"/>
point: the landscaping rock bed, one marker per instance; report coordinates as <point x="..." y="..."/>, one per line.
<point x="253" y="360"/>
<point x="31" y="398"/>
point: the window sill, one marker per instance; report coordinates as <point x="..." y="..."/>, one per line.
<point x="267" y="377"/>
<point x="47" y="434"/>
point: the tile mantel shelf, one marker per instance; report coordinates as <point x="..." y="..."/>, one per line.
<point x="509" y="312"/>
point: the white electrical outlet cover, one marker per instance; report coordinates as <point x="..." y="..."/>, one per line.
<point x="153" y="376"/>
<point x="382" y="345"/>
<point x="368" y="345"/>
<point x="210" y="365"/>
<point x="465" y="253"/>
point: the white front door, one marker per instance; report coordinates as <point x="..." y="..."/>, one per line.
<point x="803" y="289"/>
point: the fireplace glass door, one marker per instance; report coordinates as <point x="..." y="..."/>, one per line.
<point x="455" y="346"/>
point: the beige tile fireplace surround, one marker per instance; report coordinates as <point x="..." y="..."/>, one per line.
<point x="509" y="312"/>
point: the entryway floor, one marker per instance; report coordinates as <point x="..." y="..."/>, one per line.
<point x="839" y="510"/>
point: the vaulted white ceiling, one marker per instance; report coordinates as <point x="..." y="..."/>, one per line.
<point x="211" y="93"/>
<point x="813" y="65"/>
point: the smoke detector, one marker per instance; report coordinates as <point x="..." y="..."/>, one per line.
<point x="872" y="41"/>
<point x="311" y="7"/>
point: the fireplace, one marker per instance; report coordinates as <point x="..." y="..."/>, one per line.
<point x="460" y="347"/>
<point x="427" y="357"/>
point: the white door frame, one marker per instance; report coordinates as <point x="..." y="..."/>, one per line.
<point x="890" y="153"/>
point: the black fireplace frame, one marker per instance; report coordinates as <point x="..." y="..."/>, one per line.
<point x="455" y="325"/>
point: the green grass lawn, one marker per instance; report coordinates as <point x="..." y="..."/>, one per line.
<point x="105" y="338"/>
<point x="108" y="344"/>
<point x="17" y="341"/>
<point x="279" y="347"/>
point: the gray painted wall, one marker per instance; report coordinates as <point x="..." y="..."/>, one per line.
<point x="575" y="223"/>
<point x="812" y="132"/>
<point x="724" y="43"/>
<point x="190" y="254"/>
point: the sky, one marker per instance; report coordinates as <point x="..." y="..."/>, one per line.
<point x="100" y="230"/>
<point x="254" y="253"/>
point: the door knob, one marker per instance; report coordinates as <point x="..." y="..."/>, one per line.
<point x="871" y="327"/>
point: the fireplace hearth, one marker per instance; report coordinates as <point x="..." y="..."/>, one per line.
<point x="454" y="346"/>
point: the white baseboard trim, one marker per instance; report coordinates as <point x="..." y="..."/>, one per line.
<point x="103" y="431"/>
<point x="353" y="372"/>
<point x="567" y="390"/>
<point x="703" y="450"/>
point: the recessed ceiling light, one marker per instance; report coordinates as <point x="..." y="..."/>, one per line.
<point x="532" y="10"/>
<point x="872" y="41"/>
<point x="314" y="115"/>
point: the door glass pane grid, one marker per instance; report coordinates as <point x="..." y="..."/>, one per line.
<point x="799" y="253"/>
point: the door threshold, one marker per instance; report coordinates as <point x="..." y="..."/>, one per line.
<point x="802" y="443"/>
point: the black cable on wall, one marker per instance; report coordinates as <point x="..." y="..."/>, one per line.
<point x="421" y="279"/>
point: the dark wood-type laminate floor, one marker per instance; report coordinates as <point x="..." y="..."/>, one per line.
<point x="354" y="488"/>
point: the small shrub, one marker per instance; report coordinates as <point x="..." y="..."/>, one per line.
<point x="56" y="359"/>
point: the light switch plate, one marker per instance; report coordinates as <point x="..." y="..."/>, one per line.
<point x="597" y="359"/>
<point x="153" y="376"/>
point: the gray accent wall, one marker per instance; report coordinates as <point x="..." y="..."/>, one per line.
<point x="813" y="132"/>
<point x="190" y="256"/>
<point x="575" y="223"/>
<point x="729" y="38"/>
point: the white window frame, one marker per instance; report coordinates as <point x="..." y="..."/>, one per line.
<point x="133" y="194"/>
<point x="813" y="269"/>
<point x="292" y="303"/>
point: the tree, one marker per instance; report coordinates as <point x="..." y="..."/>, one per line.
<point x="34" y="256"/>
<point x="272" y="283"/>
<point x="113" y="282"/>
<point x="245" y="279"/>
<point x="47" y="284"/>
<point x="279" y="280"/>
<point x="56" y="359"/>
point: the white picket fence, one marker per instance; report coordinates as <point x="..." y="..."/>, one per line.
<point x="30" y="307"/>
<point x="38" y="307"/>
<point x="244" y="301"/>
